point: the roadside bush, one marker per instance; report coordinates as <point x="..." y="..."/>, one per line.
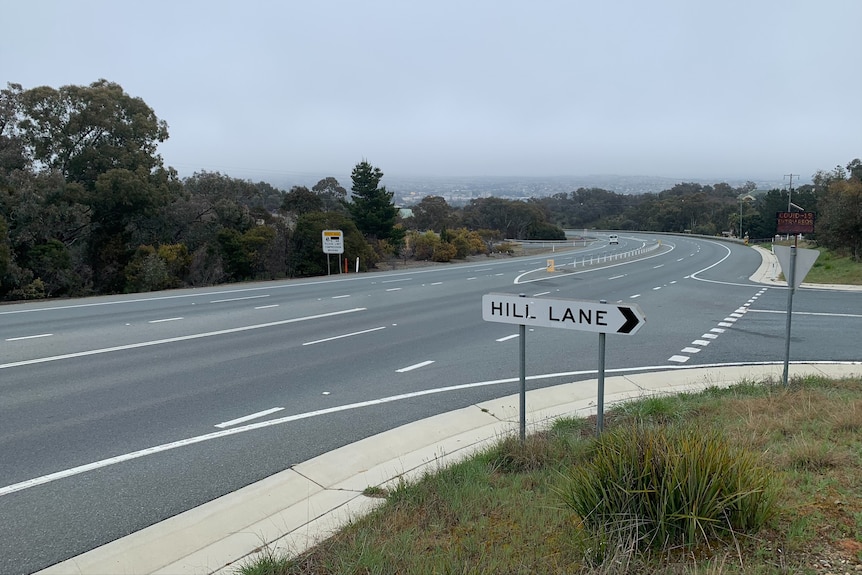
<point x="660" y="486"/>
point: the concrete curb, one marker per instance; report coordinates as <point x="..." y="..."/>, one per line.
<point x="769" y="271"/>
<point x="292" y="510"/>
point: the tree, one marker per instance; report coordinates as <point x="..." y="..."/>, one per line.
<point x="300" y="200"/>
<point x="331" y="193"/>
<point x="13" y="154"/>
<point x="839" y="223"/>
<point x="432" y="213"/>
<point x="514" y="219"/>
<point x="84" y="131"/>
<point x="371" y="206"/>
<point x="307" y="257"/>
<point x="103" y="143"/>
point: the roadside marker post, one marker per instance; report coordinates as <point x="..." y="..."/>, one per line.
<point x="599" y="317"/>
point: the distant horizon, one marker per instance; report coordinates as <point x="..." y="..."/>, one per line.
<point x="287" y="179"/>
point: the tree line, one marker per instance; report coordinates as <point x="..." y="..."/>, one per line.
<point x="87" y="206"/>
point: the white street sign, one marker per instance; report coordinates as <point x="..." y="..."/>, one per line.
<point x="564" y="314"/>
<point x="333" y="242"/>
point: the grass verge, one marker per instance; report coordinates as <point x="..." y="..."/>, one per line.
<point x="832" y="267"/>
<point x="505" y="510"/>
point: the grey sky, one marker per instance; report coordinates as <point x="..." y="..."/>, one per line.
<point x="677" y="88"/>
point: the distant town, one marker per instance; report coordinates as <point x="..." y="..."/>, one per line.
<point x="458" y="191"/>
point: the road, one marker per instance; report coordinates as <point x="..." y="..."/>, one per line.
<point x="117" y="412"/>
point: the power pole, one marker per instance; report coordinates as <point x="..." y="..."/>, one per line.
<point x="790" y="190"/>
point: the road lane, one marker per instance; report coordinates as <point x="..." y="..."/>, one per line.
<point x="61" y="414"/>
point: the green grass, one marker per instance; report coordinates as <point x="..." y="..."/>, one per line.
<point x="755" y="478"/>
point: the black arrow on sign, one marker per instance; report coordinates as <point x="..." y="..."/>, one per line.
<point x="632" y="320"/>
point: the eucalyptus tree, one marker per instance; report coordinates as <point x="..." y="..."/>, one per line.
<point x="105" y="142"/>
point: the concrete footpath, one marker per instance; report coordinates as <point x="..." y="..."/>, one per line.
<point x="290" y="511"/>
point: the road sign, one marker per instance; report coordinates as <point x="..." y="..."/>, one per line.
<point x="333" y="242"/>
<point x="805" y="259"/>
<point x="563" y="314"/>
<point x="795" y="222"/>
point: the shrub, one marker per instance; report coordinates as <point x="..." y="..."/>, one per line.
<point x="660" y="486"/>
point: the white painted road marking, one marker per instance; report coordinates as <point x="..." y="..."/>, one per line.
<point x="238" y="298"/>
<point x="340" y="296"/>
<point x="266" y="306"/>
<point x="805" y="313"/>
<point x="508" y="337"/>
<point x="29" y="337"/>
<point x="393" y="289"/>
<point x="345" y="335"/>
<point x="175" y="339"/>
<point x="257" y="415"/>
<point x="51" y="477"/>
<point x="678" y="358"/>
<point x="414" y="366"/>
<point x="164" y="320"/>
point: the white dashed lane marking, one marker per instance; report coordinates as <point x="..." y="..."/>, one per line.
<point x="23" y="337"/>
<point x="713" y="334"/>
<point x="414" y="366"/>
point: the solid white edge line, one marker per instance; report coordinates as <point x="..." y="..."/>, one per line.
<point x="245" y="418"/>
<point x="8" y="489"/>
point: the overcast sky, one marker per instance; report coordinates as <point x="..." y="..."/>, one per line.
<point x="750" y="89"/>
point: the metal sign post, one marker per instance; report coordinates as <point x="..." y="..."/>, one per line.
<point x="795" y="262"/>
<point x="522" y="372"/>
<point x="600" y="401"/>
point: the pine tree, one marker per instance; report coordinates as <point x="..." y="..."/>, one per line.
<point x="371" y="205"/>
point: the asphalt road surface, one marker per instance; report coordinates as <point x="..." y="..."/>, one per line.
<point x="118" y="412"/>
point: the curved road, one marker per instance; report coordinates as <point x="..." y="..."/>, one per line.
<point x="117" y="412"/>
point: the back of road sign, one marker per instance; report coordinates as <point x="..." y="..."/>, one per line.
<point x="804" y="262"/>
